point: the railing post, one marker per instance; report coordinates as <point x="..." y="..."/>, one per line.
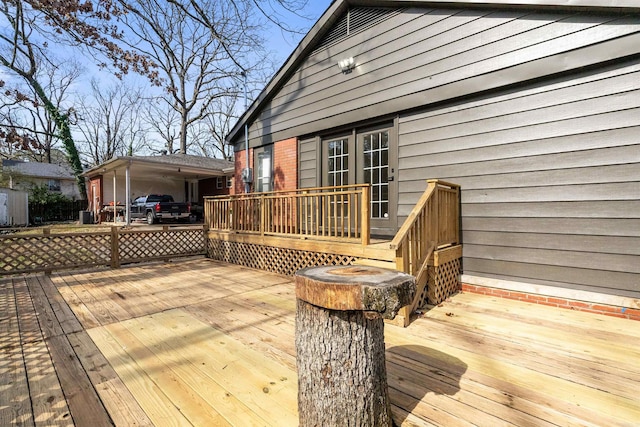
<point x="340" y="351"/>
<point x="47" y="232"/>
<point x="365" y="233"/>
<point x="457" y="214"/>
<point x="115" y="248"/>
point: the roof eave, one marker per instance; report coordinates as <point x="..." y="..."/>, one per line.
<point x="119" y="162"/>
<point x="332" y="13"/>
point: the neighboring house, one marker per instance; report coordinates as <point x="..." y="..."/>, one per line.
<point x="187" y="178"/>
<point x="532" y="106"/>
<point x="56" y="178"/>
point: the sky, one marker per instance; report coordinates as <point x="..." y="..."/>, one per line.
<point x="283" y="43"/>
<point x="280" y="43"/>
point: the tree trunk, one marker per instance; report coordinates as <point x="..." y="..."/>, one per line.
<point x="342" y="379"/>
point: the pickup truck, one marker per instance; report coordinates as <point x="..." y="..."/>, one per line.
<point x="159" y="207"/>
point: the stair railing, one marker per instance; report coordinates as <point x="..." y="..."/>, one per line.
<point x="432" y="224"/>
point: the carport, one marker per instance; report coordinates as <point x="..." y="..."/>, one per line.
<point x="114" y="183"/>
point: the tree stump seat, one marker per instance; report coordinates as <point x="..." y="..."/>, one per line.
<point x="342" y="379"/>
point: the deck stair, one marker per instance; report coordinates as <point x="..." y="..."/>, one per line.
<point x="285" y="231"/>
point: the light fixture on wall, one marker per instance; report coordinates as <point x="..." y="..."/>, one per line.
<point x="347" y="65"/>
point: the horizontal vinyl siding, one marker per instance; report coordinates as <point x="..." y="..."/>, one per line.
<point x="307" y="163"/>
<point x="550" y="177"/>
<point x="424" y="52"/>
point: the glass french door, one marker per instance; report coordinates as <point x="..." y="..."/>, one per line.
<point x="366" y="156"/>
<point x="375" y="170"/>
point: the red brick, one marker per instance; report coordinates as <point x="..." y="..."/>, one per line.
<point x="633" y="317"/>
<point x="240" y="163"/>
<point x="606" y="308"/>
<point x="500" y="292"/>
<point x="619" y="315"/>
<point x="552" y="304"/>
<point x="578" y="304"/>
<point x="631" y="312"/>
<point x="285" y="164"/>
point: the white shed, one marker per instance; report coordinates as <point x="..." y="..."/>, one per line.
<point x="14" y="207"/>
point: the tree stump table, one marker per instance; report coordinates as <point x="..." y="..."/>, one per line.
<point x="342" y="378"/>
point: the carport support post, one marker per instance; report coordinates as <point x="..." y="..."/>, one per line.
<point x="115" y="198"/>
<point x="342" y="378"/>
<point x="127" y="186"/>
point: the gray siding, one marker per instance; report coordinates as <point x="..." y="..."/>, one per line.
<point x="424" y="56"/>
<point x="550" y="177"/>
<point x="307" y="159"/>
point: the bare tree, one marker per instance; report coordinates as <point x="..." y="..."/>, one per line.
<point x="191" y="60"/>
<point x="28" y="115"/>
<point x="201" y="48"/>
<point x="163" y="122"/>
<point x="193" y="48"/>
<point x="21" y="56"/>
<point x="110" y="123"/>
<point x="212" y="130"/>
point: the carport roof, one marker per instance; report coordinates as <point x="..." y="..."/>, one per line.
<point x="183" y="165"/>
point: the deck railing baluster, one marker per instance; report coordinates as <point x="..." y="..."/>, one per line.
<point x="324" y="212"/>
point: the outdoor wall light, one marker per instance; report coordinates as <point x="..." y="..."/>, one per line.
<point x="347" y="65"/>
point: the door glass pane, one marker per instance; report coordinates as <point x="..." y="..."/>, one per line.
<point x="376" y="171"/>
<point x="338" y="164"/>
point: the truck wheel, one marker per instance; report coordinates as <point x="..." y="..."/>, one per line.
<point x="150" y="218"/>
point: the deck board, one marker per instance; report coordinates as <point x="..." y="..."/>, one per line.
<point x="48" y="402"/>
<point x="14" y="391"/>
<point x="118" y="400"/>
<point x="200" y="342"/>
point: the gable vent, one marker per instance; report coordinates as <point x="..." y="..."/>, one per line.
<point x="354" y="21"/>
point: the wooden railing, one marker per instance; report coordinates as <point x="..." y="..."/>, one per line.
<point x="336" y="213"/>
<point x="432" y="224"/>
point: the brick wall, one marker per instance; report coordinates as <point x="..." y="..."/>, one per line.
<point x="240" y="163"/>
<point x="608" y="310"/>
<point x="285" y="164"/>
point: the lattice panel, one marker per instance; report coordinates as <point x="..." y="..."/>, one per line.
<point x="136" y="246"/>
<point x="20" y="254"/>
<point x="268" y="258"/>
<point x="443" y="281"/>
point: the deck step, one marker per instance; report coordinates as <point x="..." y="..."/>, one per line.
<point x="375" y="263"/>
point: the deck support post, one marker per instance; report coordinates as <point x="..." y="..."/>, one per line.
<point x="342" y="377"/>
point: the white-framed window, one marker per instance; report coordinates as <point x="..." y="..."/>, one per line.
<point x="219" y="182"/>
<point x="229" y="181"/>
<point x="263" y="165"/>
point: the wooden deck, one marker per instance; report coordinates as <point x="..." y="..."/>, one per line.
<point x="199" y="342"/>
